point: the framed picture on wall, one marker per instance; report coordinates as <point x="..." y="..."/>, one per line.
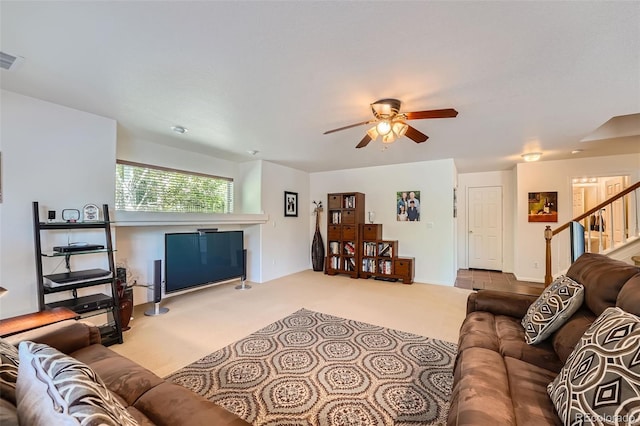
<point x="543" y="207"/>
<point x="290" y="204"/>
<point x="408" y="206"/>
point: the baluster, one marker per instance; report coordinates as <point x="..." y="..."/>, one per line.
<point x="624" y="219"/>
<point x="611" y="227"/>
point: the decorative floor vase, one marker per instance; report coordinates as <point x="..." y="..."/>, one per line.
<point x="317" y="248"/>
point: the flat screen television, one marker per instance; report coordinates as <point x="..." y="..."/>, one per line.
<point x="195" y="259"/>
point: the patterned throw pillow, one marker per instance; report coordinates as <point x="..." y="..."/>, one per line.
<point x="552" y="309"/>
<point x="56" y="389"/>
<point x="600" y="382"/>
<point x="8" y="371"/>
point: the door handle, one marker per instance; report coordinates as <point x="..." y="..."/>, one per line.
<point x="471" y="232"/>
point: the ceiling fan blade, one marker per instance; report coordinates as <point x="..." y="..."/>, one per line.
<point x="348" y="127"/>
<point x="416" y="135"/>
<point x="364" y="142"/>
<point x="434" y="113"/>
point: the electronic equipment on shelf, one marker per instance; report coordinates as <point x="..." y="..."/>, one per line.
<point x="74" y="277"/>
<point x="85" y="304"/>
<point x="78" y="247"/>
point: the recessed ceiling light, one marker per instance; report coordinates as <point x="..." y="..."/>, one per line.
<point x="179" y="129"/>
<point x="577" y="151"/>
<point x="531" y="156"/>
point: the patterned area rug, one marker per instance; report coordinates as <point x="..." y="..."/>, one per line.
<point x="316" y="369"/>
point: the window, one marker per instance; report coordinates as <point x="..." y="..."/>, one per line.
<point x="145" y="188"/>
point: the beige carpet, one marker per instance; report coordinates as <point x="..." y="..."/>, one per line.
<point x="311" y="368"/>
<point x="209" y="319"/>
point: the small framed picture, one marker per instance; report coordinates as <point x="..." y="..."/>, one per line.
<point x="290" y="204"/>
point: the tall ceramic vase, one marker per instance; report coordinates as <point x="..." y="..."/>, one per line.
<point x="317" y="247"/>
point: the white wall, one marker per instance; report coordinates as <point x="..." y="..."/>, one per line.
<point x="286" y="245"/>
<point x="548" y="176"/>
<point x="58" y="156"/>
<point x="504" y="179"/>
<point x="432" y="240"/>
<point x="139" y="246"/>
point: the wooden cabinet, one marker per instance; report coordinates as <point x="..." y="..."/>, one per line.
<point x="345" y="215"/>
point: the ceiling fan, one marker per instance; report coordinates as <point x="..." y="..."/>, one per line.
<point x="391" y="123"/>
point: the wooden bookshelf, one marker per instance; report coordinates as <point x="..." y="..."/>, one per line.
<point x="380" y="259"/>
<point x="344" y="217"/>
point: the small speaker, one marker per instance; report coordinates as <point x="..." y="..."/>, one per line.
<point x="243" y="278"/>
<point x="51" y="215"/>
<point x="244" y="265"/>
<point x="157" y="291"/>
<point x="157" y="281"/>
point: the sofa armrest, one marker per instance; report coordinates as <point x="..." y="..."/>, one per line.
<point x="500" y="303"/>
<point x="66" y="336"/>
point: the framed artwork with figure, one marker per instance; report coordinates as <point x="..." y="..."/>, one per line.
<point x="290" y="204"/>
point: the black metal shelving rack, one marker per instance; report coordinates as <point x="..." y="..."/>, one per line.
<point x="110" y="333"/>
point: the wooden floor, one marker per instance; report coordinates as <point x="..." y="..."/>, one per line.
<point x="479" y="279"/>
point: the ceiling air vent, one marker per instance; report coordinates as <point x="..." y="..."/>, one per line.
<point x="9" y="62"/>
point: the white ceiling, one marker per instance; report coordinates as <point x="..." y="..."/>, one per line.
<point x="273" y="76"/>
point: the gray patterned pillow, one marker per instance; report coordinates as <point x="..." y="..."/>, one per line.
<point x="8" y="371"/>
<point x="552" y="309"/>
<point x="600" y="382"/>
<point x="56" y="389"/>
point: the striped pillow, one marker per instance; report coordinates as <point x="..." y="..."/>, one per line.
<point x="552" y="309"/>
<point x="8" y="371"/>
<point x="54" y="388"/>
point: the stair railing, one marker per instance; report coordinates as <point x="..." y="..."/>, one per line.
<point x="629" y="209"/>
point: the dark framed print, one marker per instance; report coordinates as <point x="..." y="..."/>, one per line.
<point x="290" y="204"/>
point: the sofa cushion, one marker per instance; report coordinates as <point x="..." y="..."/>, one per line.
<point x="496" y="390"/>
<point x="54" y="388"/>
<point x="601" y="379"/>
<point x="123" y="377"/>
<point x="629" y="296"/>
<point x="567" y="337"/>
<point x="505" y="335"/>
<point x="9" y="360"/>
<point x="602" y="278"/>
<point x="555" y="305"/>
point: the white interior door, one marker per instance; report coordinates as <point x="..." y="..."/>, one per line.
<point x="612" y="187"/>
<point x="578" y="202"/>
<point x="485" y="227"/>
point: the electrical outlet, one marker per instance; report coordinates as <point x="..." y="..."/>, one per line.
<point x="535" y="265"/>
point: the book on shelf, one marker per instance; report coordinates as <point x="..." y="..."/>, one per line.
<point x="350" y="264"/>
<point x="334" y="247"/>
<point x="369" y="249"/>
<point x="368" y="265"/>
<point x="385" y="250"/>
<point x="336" y="217"/>
<point x="350" y="202"/>
<point x="349" y="248"/>
<point x="385" y="267"/>
<point x="335" y="262"/>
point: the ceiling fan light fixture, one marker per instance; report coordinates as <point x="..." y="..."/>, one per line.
<point x="399" y="128"/>
<point x="373" y="133"/>
<point x="389" y="138"/>
<point x="531" y="156"/>
<point x="383" y="127"/>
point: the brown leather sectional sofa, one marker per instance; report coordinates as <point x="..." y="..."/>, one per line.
<point x="148" y="398"/>
<point x="501" y="380"/>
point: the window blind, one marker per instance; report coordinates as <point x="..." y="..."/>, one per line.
<point x="143" y="187"/>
